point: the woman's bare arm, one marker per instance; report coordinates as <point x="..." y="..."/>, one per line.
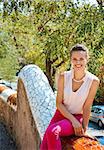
<point x="88" y="103"/>
<point x="60" y="106"/>
<point x="60" y="97"/>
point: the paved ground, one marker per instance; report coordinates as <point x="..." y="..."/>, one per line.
<point x="96" y="131"/>
<point x="6" y="142"/>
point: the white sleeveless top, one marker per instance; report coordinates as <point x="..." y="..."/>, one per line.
<point x="74" y="101"/>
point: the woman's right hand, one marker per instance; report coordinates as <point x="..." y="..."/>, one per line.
<point x="78" y="129"/>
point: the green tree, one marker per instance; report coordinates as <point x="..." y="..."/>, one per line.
<point x="42" y="32"/>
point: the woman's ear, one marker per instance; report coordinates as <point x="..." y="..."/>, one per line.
<point x="87" y="60"/>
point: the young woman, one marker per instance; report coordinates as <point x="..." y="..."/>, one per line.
<point x="76" y="91"/>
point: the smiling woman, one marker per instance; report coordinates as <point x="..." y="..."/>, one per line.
<point x="76" y="91"/>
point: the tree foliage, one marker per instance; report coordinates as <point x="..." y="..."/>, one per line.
<point x="42" y="32"/>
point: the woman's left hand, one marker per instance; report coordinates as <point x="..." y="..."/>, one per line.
<point x="78" y="128"/>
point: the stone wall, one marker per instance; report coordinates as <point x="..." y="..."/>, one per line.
<point x="20" y="122"/>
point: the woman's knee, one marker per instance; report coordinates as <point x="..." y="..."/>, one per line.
<point x="53" y="131"/>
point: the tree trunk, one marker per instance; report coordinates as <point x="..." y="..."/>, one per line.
<point x="49" y="71"/>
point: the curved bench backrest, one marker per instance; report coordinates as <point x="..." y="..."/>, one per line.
<point x="40" y="96"/>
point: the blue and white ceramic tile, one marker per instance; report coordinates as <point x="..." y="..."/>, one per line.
<point x="40" y="96"/>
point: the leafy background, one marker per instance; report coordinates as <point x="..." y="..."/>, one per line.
<point x="42" y="32"/>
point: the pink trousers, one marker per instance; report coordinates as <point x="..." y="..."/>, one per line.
<point x="58" y="127"/>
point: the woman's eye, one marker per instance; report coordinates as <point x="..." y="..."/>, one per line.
<point x="81" y="59"/>
<point x="74" y="59"/>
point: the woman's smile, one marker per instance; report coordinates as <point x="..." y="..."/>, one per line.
<point x="78" y="66"/>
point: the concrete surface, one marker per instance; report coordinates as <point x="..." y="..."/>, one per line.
<point x="6" y="141"/>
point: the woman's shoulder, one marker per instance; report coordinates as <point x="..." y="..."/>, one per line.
<point x="67" y="72"/>
<point x="64" y="73"/>
<point x="92" y="76"/>
<point x="94" y="82"/>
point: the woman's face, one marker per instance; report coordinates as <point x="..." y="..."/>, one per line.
<point x="79" y="60"/>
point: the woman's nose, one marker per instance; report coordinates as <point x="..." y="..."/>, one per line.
<point x="78" y="61"/>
